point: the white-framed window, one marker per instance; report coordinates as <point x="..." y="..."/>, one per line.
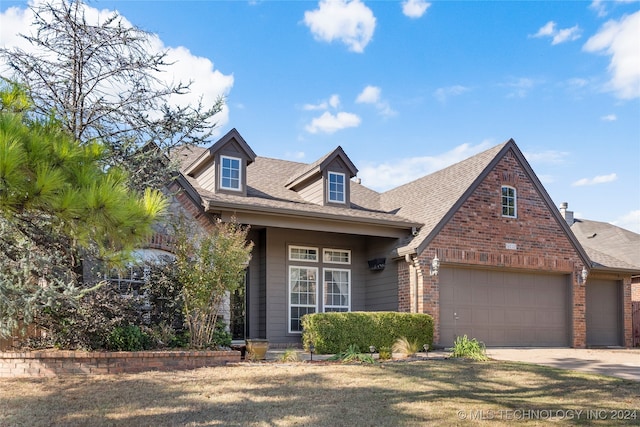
<point x="336" y="189"/>
<point x="337" y="289"/>
<point x="303" y="295"/>
<point x="303" y="253"/>
<point x="509" y="202"/>
<point x="230" y="173"/>
<point x="336" y="256"/>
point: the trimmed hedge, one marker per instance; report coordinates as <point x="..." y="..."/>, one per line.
<point x="332" y="333"/>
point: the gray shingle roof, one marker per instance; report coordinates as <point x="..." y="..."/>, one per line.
<point x="430" y="198"/>
<point x="607" y="245"/>
<point x="266" y="190"/>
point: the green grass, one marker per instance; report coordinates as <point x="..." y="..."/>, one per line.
<point x="417" y="393"/>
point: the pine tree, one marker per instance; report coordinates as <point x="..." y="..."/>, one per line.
<point x="59" y="203"/>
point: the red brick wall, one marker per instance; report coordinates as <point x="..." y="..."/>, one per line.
<point x="59" y="363"/>
<point x="477" y="234"/>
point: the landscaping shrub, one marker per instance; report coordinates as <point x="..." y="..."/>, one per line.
<point x="335" y="332"/>
<point x="405" y="347"/>
<point x="353" y="354"/>
<point x="87" y="324"/>
<point x="466" y="348"/>
<point x="128" y="338"/>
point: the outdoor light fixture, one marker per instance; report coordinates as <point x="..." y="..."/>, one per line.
<point x="312" y="348"/>
<point x="426" y="349"/>
<point x="435" y="266"/>
<point x="584" y="275"/>
<point x="372" y="349"/>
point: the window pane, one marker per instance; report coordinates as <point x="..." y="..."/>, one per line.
<point x="336" y="290"/>
<point x="336" y="187"/>
<point x="509" y="202"/>
<point x="303" y="254"/>
<point x="230" y="173"/>
<point x="302" y="294"/>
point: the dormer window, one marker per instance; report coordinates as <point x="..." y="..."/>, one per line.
<point x="336" y="187"/>
<point x="230" y="175"/>
<point x="509" y="202"/>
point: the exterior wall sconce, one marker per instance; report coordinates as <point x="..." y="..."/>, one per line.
<point x="435" y="266"/>
<point x="377" y="264"/>
<point x="583" y="275"/>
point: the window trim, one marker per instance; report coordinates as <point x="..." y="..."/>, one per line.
<point x="290" y="305"/>
<point x="325" y="293"/>
<point x="327" y="261"/>
<point x="515" y="201"/>
<point x="222" y="168"/>
<point x="344" y="187"/>
<point x="291" y="258"/>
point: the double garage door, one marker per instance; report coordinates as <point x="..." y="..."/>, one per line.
<point x="504" y="308"/>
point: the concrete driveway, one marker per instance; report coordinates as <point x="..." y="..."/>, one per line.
<point x="621" y="363"/>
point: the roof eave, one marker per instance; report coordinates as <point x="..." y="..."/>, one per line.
<point x="241" y="207"/>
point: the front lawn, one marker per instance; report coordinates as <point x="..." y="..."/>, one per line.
<point x="423" y="392"/>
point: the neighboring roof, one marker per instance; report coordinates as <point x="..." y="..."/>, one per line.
<point x="266" y="192"/>
<point x="607" y="245"/>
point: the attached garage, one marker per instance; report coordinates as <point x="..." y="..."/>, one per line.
<point x="604" y="313"/>
<point x="504" y="308"/>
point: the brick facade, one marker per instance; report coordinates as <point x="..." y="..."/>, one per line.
<point x="60" y="363"/>
<point x="477" y="234"/>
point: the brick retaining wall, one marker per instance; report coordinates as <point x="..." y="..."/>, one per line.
<point x="57" y="363"/>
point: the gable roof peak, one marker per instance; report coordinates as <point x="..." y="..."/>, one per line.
<point x="209" y="153"/>
<point x="319" y="165"/>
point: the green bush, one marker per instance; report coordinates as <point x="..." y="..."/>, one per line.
<point x="466" y="348"/>
<point x="128" y="338"/>
<point x="221" y="336"/>
<point x="333" y="333"/>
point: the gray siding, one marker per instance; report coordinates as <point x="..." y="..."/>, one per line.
<point x="382" y="285"/>
<point x="313" y="193"/>
<point x="207" y="178"/>
<point x="381" y="296"/>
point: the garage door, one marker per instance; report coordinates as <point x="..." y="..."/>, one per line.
<point x="504" y="308"/>
<point x="604" y="320"/>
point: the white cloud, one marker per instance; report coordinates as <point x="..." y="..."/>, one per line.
<point x="333" y="102"/>
<point x="390" y="174"/>
<point x="444" y="93"/>
<point x="599" y="6"/>
<point x="330" y="123"/>
<point x="372" y="95"/>
<point x="546" y="30"/>
<point x="520" y="87"/>
<point x="369" y="95"/>
<point x="348" y="21"/>
<point x="208" y="83"/>
<point x="600" y="179"/>
<point x="546" y="157"/>
<point x="558" y="35"/>
<point x="609" y="118"/>
<point x="619" y="39"/>
<point x="629" y="221"/>
<point x="415" y="8"/>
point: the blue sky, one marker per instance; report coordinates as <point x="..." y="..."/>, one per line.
<point x="407" y="88"/>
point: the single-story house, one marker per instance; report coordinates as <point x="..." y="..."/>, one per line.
<point x="478" y="245"/>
